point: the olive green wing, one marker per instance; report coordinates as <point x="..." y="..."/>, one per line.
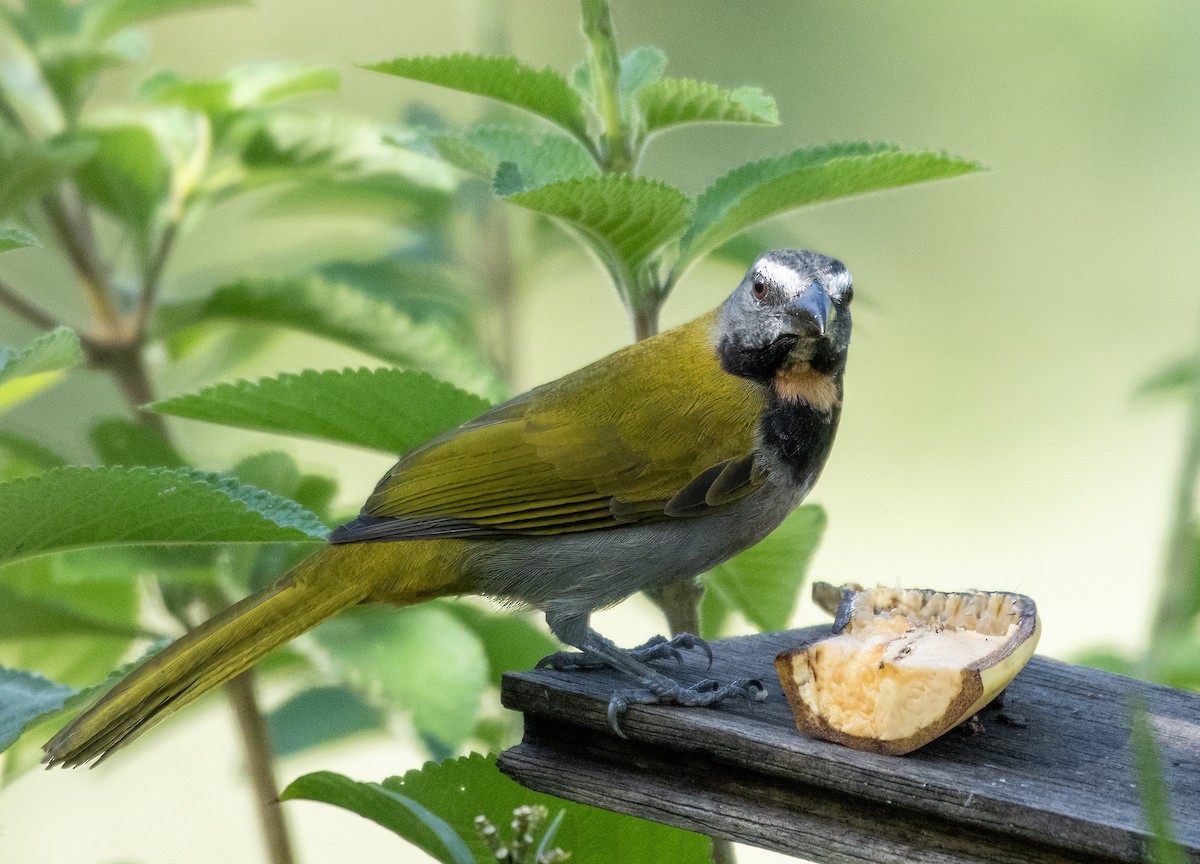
<point x="655" y="431"/>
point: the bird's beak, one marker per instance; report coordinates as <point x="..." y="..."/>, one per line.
<point x="809" y="312"/>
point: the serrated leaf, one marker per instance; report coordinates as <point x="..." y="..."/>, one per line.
<point x="626" y="218"/>
<point x="763" y="583"/>
<point x="458" y="790"/>
<point x="419" y="660"/>
<point x="342" y="314"/>
<point x="15" y="238"/>
<point x="320" y="715"/>
<point x="391" y="410"/>
<point x="676" y="101"/>
<point x="26" y="697"/>
<point x="758" y="190"/>
<point x="28" y="751"/>
<point x="24" y="372"/>
<point x="72" y="507"/>
<point x="392" y="810"/>
<point x="541" y="91"/>
<point x="109" y="16"/>
<point x="540" y="159"/>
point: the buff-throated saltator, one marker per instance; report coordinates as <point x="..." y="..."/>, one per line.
<point x="649" y="466"/>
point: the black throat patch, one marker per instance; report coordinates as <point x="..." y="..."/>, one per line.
<point x="800" y="435"/>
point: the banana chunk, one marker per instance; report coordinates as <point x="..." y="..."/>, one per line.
<point x="905" y="666"/>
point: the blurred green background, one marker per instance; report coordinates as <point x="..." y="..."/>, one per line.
<point x="990" y="437"/>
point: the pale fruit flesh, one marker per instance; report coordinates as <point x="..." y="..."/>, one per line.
<point x="903" y="667"/>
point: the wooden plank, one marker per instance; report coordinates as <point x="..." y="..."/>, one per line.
<point x="1063" y="785"/>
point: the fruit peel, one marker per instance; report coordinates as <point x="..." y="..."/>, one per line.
<point x="902" y="667"/>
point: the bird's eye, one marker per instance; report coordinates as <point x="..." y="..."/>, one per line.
<point x="758" y="288"/>
<point x="848" y="295"/>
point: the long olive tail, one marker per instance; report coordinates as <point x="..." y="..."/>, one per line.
<point x="217" y="650"/>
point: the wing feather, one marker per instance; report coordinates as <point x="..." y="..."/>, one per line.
<point x="657" y="430"/>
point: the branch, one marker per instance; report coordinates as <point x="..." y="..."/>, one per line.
<point x="257" y="747"/>
<point x="30" y="311"/>
<point x="75" y="235"/>
<point x="152" y="279"/>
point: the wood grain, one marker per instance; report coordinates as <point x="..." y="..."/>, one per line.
<point x="1059" y="789"/>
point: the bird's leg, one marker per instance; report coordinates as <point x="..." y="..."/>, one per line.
<point x="658" y="689"/>
<point x="657" y="648"/>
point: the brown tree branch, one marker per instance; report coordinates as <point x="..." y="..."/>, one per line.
<point x="16" y="303"/>
<point x="257" y="749"/>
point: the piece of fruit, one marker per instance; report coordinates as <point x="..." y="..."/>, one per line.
<point x="901" y="667"/>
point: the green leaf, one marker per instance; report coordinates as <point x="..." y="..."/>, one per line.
<point x="391" y="410"/>
<point x="398" y="813"/>
<point x="539" y="159"/>
<point x="1173" y="381"/>
<point x="763" y="583"/>
<point x="73" y="507"/>
<point x="627" y="219"/>
<point x="26" y="697"/>
<point x="240" y="89"/>
<point x="420" y="660"/>
<point x="109" y="16"/>
<point x="25" y="90"/>
<point x="319" y="716"/>
<point x="640" y="68"/>
<point x="39" y="617"/>
<point x="30" y="452"/>
<point x="27" y="753"/>
<point x="675" y="101"/>
<point x="74" y="615"/>
<point x="30" y="168"/>
<point x="342" y="314"/>
<point x="40" y="364"/>
<point x="513" y="642"/>
<point x="118" y="441"/>
<point x="758" y="190"/>
<point x="1161" y="846"/>
<point x="458" y="790"/>
<point x="541" y="91"/>
<point x="14" y="238"/>
<point x="144" y="168"/>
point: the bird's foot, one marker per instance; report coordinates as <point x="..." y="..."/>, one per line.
<point x="700" y="695"/>
<point x="658" y="648"/>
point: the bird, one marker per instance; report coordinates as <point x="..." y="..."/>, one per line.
<point x="651" y="465"/>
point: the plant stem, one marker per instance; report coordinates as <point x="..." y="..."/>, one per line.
<point x="73" y="228"/>
<point x="14" y="302"/>
<point x="680" y="603"/>
<point x="1179" y="598"/>
<point x="257" y="748"/>
<point x="722" y="851"/>
<point x="605" y="63"/>
<point x="152" y="278"/>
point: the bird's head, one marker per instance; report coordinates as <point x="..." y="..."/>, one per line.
<point x="789" y="318"/>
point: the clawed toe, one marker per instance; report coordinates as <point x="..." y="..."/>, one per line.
<point x="703" y="694"/>
<point x="661" y="648"/>
<point x="570" y="661"/>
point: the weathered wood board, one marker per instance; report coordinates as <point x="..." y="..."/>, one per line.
<point x="1060" y="788"/>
